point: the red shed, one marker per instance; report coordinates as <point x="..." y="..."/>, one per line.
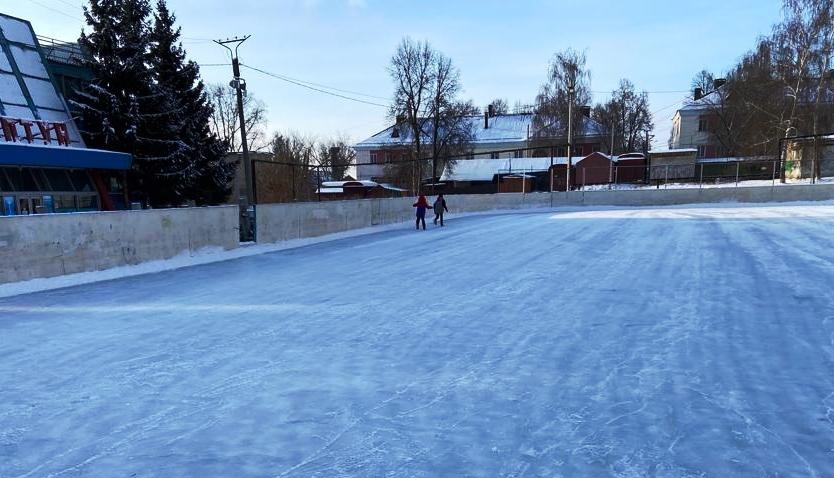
<point x="596" y="168"/>
<point x="630" y="168"/>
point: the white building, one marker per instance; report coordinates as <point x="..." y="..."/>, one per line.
<point x="693" y="126"/>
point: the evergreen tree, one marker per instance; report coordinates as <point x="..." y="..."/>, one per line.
<point x="111" y="105"/>
<point x="192" y="154"/>
<point x="146" y="99"/>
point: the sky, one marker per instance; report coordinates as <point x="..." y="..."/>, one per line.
<point x="502" y="48"/>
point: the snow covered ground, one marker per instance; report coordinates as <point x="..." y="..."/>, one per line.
<point x="669" y="342"/>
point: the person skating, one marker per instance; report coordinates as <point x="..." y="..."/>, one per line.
<point x="439" y="209"/>
<point x="422" y="204"/>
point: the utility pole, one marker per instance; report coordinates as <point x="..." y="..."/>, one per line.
<point x="239" y="84"/>
<point x="571" y="88"/>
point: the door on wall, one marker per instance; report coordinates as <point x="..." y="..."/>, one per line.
<point x="23" y="206"/>
<point x="36" y="204"/>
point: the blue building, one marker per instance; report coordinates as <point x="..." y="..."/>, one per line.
<point x="44" y="164"/>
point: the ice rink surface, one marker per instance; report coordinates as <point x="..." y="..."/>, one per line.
<point x="669" y="342"/>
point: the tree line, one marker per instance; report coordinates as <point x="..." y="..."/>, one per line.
<point x="431" y="117"/>
<point x="783" y="87"/>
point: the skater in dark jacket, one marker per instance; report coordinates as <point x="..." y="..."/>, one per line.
<point x="422" y="204"/>
<point x="439" y="209"/>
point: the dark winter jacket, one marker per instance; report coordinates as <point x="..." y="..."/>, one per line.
<point x="440" y="206"/>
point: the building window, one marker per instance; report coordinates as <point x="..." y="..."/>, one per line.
<point x="703" y="124"/>
<point x="374" y="157"/>
<point x="702" y="151"/>
<point x="562" y="151"/>
<point x="493" y="155"/>
<point x="518" y="153"/>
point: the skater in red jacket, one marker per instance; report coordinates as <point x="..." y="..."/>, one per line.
<point x="422" y="204"/>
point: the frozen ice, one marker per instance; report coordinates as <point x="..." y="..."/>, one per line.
<point x="669" y="342"/>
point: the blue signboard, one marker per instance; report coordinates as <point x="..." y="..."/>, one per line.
<point x="8" y="206"/>
<point x="48" y="204"/>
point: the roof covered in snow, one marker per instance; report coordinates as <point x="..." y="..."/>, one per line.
<point x="338" y="186"/>
<point x="669" y="152"/>
<point x="486" y="169"/>
<point x="507" y="128"/>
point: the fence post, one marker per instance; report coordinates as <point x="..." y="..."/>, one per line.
<point x="666" y="179"/>
<point x="814" y="169"/>
<point x="318" y="181"/>
<point x="523" y="184"/>
<point x="773" y="181"/>
<point x="738" y="167"/>
<point x="292" y="174"/>
<point x="616" y="170"/>
<point x="701" y="181"/>
<point x="583" y="178"/>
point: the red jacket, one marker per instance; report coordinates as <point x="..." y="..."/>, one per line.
<point x="421" y="202"/>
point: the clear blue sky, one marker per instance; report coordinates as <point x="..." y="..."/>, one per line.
<point x="501" y="47"/>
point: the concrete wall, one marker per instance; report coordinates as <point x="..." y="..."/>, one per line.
<point x="281" y="222"/>
<point x="55" y="244"/>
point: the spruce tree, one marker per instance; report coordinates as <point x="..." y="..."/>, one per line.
<point x="194" y="154"/>
<point x="111" y="106"/>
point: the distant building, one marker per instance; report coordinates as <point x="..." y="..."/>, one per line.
<point x="340" y="190"/>
<point x="495" y="137"/>
<point x="44" y="164"/>
<point x="486" y="175"/>
<point x="693" y="126"/>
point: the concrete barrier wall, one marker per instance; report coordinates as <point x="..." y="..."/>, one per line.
<point x="660" y="197"/>
<point x="281" y="222"/>
<point x="55" y="244"/>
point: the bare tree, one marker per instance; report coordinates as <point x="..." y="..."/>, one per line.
<point x="426" y="107"/>
<point x="625" y="118"/>
<point x="225" y="123"/>
<point x="290" y="175"/>
<point x="703" y="80"/>
<point x="412" y="71"/>
<point x="500" y="106"/>
<point x="336" y="156"/>
<point x="567" y="72"/>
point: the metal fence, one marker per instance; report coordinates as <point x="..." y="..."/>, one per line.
<point x="283" y="182"/>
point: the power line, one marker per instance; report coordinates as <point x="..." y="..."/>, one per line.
<point x="288" y="80"/>
<point x="669" y="106"/>
<point x="65" y="2"/>
<point x="641" y="91"/>
<point x="329" y="87"/>
<point x="36" y="2"/>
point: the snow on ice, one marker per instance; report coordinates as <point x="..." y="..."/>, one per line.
<point x="668" y="342"/>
